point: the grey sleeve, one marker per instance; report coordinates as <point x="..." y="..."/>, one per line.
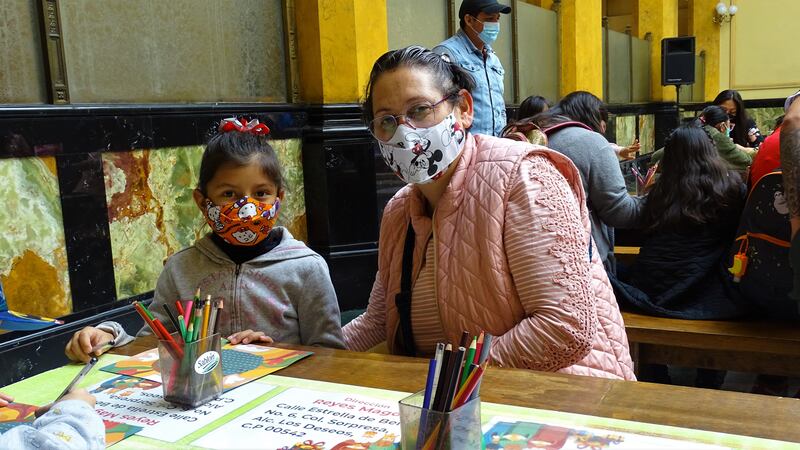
<point x="165" y="290"/>
<point x="70" y="424"/>
<point x="608" y="196"/>
<point x="318" y="308"/>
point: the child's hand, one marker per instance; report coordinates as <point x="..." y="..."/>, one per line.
<point x="5" y="399"/>
<point x="248" y="336"/>
<point x="79" y="348"/>
<point x="75" y="394"/>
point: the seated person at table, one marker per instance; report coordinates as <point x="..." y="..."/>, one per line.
<point x="744" y="132"/>
<point x="690" y="217"/>
<point x="495" y="233"/>
<point x="716" y="123"/>
<point x="274" y="287"/>
<point x="69" y="424"/>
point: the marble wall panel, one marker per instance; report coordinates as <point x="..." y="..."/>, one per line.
<point x="765" y="118"/>
<point x="33" y="258"/>
<point x="647" y="133"/>
<point x="152" y="214"/>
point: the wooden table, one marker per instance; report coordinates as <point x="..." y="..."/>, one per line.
<point x="726" y="412"/>
<point x="746" y="346"/>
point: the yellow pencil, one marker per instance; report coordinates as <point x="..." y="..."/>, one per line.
<point x="206" y="313"/>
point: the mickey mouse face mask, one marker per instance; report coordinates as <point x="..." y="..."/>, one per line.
<point x="421" y="155"/>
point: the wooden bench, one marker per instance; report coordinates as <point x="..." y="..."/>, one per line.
<point x="746" y="346"/>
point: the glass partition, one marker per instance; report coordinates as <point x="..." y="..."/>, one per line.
<point x="626" y="64"/>
<point x="416" y="22"/>
<point x="537" y="43"/>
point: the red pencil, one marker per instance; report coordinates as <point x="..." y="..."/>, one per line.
<point x="179" y="307"/>
<point x="479" y="346"/>
<point x="469" y="387"/>
<point x="147" y="320"/>
<point x="169" y="338"/>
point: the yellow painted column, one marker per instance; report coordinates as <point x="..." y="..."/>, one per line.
<point x="546" y="4"/>
<point x="337" y="42"/>
<point x="707" y="39"/>
<point x="580" y="42"/>
<point x="660" y="19"/>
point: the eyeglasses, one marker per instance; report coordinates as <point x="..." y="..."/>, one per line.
<point x="422" y="115"/>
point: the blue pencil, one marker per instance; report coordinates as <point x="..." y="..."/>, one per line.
<point x="426" y="402"/>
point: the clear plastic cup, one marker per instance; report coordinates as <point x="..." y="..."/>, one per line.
<point x="195" y="377"/>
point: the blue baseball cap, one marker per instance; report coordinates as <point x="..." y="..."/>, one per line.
<point x="475" y="7"/>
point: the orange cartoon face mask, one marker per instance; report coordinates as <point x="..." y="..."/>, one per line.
<point x="243" y="222"/>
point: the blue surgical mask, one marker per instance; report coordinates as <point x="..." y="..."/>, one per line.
<point x="728" y="132"/>
<point x="490" y="32"/>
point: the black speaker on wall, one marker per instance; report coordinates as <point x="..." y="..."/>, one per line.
<point x="677" y="61"/>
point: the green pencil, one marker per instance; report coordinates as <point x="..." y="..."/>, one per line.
<point x="189" y="333"/>
<point x="468" y="362"/>
<point x="182" y="326"/>
<point x="146" y="311"/>
<point x="198" y="323"/>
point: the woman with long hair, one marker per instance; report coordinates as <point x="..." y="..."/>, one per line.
<point x="745" y="131"/>
<point x="689" y="218"/>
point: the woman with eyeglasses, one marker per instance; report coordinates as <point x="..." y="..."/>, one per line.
<point x="489" y="234"/>
<point x="745" y="132"/>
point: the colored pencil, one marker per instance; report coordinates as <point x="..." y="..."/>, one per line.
<point x="452" y="383"/>
<point x="438" y="357"/>
<point x="147" y="311"/>
<point x="464" y="342"/>
<point x="479" y="346"/>
<point x="171" y="317"/>
<point x="182" y="328"/>
<point x="212" y="320"/>
<point x="440" y="385"/>
<point x="426" y="401"/>
<point x="206" y="314"/>
<point x="198" y="322"/>
<point x="468" y="388"/>
<point x="147" y="319"/>
<point x="187" y="312"/>
<point x="468" y="360"/>
<point x="220" y="307"/>
<point x="179" y="307"/>
<point x="190" y="333"/>
<point x="168" y="337"/>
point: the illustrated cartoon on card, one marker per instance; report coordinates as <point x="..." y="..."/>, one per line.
<point x="120" y="384"/>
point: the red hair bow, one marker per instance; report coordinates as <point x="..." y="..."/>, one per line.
<point x="243" y="126"/>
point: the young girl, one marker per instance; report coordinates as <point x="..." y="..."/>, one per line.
<point x="274" y="288"/>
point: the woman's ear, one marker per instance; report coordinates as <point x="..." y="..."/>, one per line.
<point x="465" y="112"/>
<point x="281" y="194"/>
<point x="199" y="199"/>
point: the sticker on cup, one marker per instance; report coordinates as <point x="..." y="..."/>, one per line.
<point x="206" y="362"/>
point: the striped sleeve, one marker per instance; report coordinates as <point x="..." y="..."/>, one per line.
<point x="547" y="248"/>
<point x="368" y="329"/>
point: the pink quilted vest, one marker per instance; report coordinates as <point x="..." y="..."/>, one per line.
<point x="472" y="263"/>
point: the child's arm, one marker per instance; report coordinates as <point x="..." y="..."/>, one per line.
<point x="318" y="308"/>
<point x="71" y="423"/>
<point x="83" y="341"/>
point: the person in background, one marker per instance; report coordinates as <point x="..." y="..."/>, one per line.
<point x="488" y="234"/>
<point x="608" y="200"/>
<point x="718" y="126"/>
<point x="768" y="158"/>
<point x="71" y="423"/>
<point x="471" y="49"/>
<point x="745" y="131"/>
<point x="689" y="220"/>
<point x="790" y="163"/>
<point x="532" y="106"/>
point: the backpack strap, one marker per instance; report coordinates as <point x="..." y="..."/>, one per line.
<point x="562" y="125"/>
<point x="403" y="298"/>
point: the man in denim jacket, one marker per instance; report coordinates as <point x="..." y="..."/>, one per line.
<point x="471" y="49"/>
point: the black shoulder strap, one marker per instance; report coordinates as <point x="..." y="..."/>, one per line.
<point x="562" y="125"/>
<point x="403" y="299"/>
